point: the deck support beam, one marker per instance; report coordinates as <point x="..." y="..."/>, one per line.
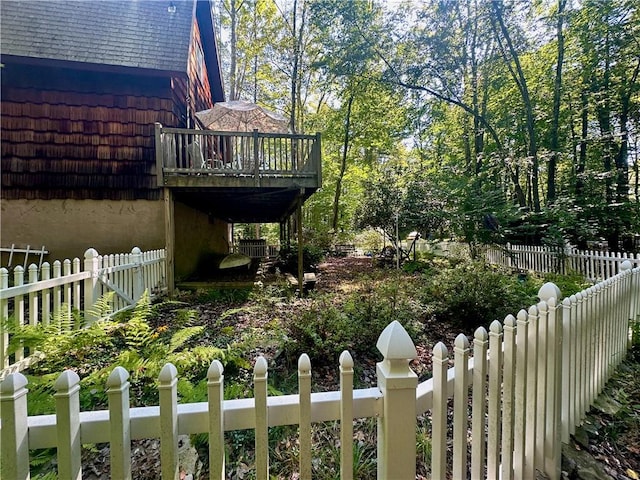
<point x="169" y="238"/>
<point x="300" y="246"/>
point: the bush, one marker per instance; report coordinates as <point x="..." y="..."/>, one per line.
<point x="326" y="329"/>
<point x="473" y="295"/>
<point x="311" y="257"/>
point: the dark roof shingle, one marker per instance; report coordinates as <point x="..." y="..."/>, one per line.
<point x="129" y="33"/>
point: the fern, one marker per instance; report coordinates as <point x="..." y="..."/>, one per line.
<point x="103" y="307"/>
<point x="182" y="336"/>
<point x="138" y="332"/>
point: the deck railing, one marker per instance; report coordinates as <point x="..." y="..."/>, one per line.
<point x="252" y="155"/>
<point x="73" y="285"/>
<point x="257" y="249"/>
<point x="527" y="382"/>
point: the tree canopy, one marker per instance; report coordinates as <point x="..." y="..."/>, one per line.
<point x="506" y="120"/>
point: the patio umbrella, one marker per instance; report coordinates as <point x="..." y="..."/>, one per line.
<point x="241" y="116"/>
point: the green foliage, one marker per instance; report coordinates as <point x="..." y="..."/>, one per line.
<point x="326" y="329"/>
<point x="472" y="295"/>
<point x="311" y="257"/>
<point x="223" y="295"/>
<point x="131" y="342"/>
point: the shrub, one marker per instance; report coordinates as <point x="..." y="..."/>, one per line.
<point x="311" y="257"/>
<point x="326" y="329"/>
<point x="473" y="295"/>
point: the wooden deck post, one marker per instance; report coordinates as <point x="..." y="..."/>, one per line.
<point x="300" y="248"/>
<point x="169" y="239"/>
<point x="159" y="154"/>
<point x="397" y="425"/>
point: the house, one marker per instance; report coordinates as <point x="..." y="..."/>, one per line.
<point x="99" y="134"/>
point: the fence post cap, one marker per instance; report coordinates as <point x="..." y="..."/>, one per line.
<point x="304" y="363"/>
<point x="549" y="290"/>
<point x="626" y="265"/>
<point x="168" y="374"/>
<point x="13" y="383"/>
<point x="67" y="380"/>
<point x="395" y="343"/>
<point x="215" y="370"/>
<point x="91" y="253"/>
<point x="260" y="368"/>
<point x="118" y="377"/>
<point x="480" y="335"/>
<point x="136" y="250"/>
<point x="346" y="360"/>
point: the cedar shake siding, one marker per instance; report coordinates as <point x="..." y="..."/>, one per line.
<point x="81" y="134"/>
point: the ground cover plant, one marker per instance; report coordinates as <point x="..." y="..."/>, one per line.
<point x="434" y="298"/>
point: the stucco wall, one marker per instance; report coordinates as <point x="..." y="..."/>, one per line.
<point x="67" y="228"/>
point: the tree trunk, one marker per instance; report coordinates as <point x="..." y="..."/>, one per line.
<point x="343" y="166"/>
<point x="233" y="16"/>
<point x="521" y="82"/>
<point x="557" y="90"/>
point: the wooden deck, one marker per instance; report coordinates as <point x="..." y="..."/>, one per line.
<point x="238" y="176"/>
<point x="204" y="158"/>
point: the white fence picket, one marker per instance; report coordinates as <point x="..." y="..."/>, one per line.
<point x="261" y="419"/>
<point x="215" y="389"/>
<point x="439" y="413"/>
<point x="460" y="402"/>
<point x="346" y="416"/>
<point x="67" y="396"/>
<point x="119" y="421"/>
<point x="479" y="404"/>
<point x="304" y="423"/>
<point x="4" y="314"/>
<point x="494" y="418"/>
<point x="508" y="397"/>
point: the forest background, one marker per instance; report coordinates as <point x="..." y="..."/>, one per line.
<point x="490" y="121"/>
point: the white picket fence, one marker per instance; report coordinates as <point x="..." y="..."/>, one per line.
<point x="593" y="265"/>
<point x="518" y="392"/>
<point x="48" y="289"/>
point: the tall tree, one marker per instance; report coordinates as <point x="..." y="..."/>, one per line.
<point x="557" y="92"/>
